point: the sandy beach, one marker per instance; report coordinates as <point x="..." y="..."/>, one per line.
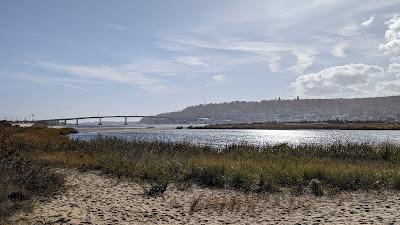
<point x="93" y="198"/>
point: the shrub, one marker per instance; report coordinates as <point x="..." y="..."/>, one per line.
<point x="193" y="206"/>
<point x="243" y="180"/>
<point x="156" y="188"/>
<point x="21" y="181"/>
<point x="316" y="188"/>
<point x="209" y="175"/>
<point x="266" y="185"/>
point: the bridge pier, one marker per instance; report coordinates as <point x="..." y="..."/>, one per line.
<point x="65" y="122"/>
<point x="77" y="122"/>
<point x="126" y="121"/>
<point x="100" y="122"/>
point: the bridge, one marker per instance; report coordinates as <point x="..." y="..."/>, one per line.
<point x="57" y="121"/>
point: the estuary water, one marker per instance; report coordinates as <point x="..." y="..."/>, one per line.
<point x="220" y="138"/>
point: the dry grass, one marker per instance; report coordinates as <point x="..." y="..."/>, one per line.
<point x="21" y="179"/>
<point x="241" y="167"/>
<point x="41" y="135"/>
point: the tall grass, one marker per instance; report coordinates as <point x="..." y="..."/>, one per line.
<point x="242" y="167"/>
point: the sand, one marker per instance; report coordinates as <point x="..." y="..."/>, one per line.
<point x="92" y="198"/>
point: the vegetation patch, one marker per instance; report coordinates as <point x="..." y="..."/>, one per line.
<point x="22" y="179"/>
<point x="28" y="153"/>
<point x="242" y="167"/>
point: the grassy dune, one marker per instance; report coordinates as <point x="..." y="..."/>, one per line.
<point x="269" y="168"/>
<point x="243" y="167"/>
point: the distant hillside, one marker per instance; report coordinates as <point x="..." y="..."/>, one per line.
<point x="358" y="109"/>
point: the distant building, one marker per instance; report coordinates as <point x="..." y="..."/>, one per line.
<point x="204" y="119"/>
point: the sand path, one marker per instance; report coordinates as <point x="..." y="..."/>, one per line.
<point x="93" y="198"/>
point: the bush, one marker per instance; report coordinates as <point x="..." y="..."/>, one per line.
<point x="156" y="189"/>
<point x="23" y="180"/>
<point x="266" y="185"/>
<point x="243" y="180"/>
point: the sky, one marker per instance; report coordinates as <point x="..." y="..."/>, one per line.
<point x="97" y="57"/>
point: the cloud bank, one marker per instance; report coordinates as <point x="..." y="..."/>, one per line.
<point x="339" y="81"/>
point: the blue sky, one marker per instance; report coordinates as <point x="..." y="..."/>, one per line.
<point x="75" y="58"/>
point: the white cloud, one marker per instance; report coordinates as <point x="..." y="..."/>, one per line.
<point x="339" y="81"/>
<point x="386" y="88"/>
<point x="273" y="61"/>
<point x="395" y="69"/>
<point x="271" y="52"/>
<point x="192" y="61"/>
<point x="368" y="22"/>
<point x="352" y="28"/>
<point x="392" y="36"/>
<point x="122" y="74"/>
<point x="339" y="50"/>
<point x="116" y="27"/>
<point x="42" y="79"/>
<point x="304" y="60"/>
<point x="395" y="59"/>
<point x="219" y="77"/>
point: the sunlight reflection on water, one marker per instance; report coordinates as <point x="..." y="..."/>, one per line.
<point x="256" y="137"/>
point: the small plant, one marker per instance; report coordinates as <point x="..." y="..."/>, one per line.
<point x="156" y="189"/>
<point x="193" y="206"/>
<point x="316" y="188"/>
<point x="235" y="204"/>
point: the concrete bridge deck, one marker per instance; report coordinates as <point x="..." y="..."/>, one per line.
<point x="64" y="120"/>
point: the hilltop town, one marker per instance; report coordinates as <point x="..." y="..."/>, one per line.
<point x="385" y="109"/>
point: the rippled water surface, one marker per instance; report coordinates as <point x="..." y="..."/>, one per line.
<point x="257" y="137"/>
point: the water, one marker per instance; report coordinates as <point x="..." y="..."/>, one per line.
<point x="221" y="138"/>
